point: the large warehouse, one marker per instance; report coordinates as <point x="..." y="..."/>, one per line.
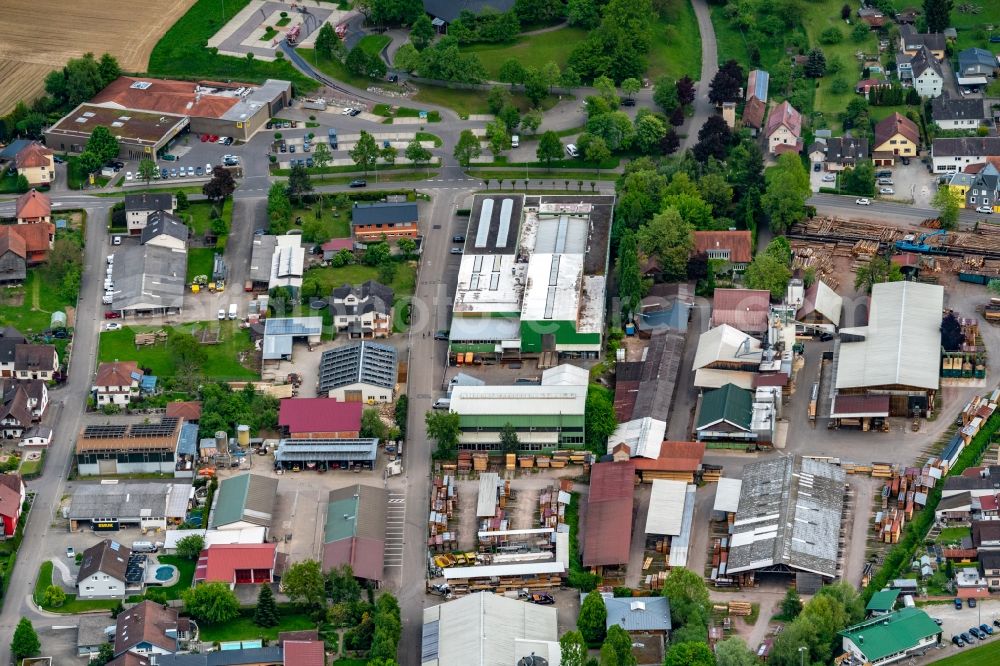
<point x="789" y="518"/>
<point x="111" y="505"/>
<point x="532" y="278"/>
<point x="898" y="353"/>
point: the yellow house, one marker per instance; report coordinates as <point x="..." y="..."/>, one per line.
<point x="961" y="182"/>
<point x="35" y="162"/>
<point x="895" y="136"/>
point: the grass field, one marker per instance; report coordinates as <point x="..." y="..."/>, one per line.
<point x="532" y="51"/>
<point x="952" y="535"/>
<point x="201" y="261"/>
<point x="817" y="17"/>
<point x="185" y="570"/>
<point x="732" y="44"/>
<point x="467" y="102"/>
<point x="330" y="277"/>
<point x="29" y="308"/>
<point x="126" y="30"/>
<point x="335" y="69"/>
<point x="984" y="654"/>
<point x="222" y="362"/>
<point x="243" y="628"/>
<point x="676" y="44"/>
<point x="182" y="52"/>
<point x="72" y="605"/>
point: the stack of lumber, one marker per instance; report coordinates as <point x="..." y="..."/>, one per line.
<point x="740" y="608"/>
<point x="465" y="461"/>
<point x="480" y="461"/>
<point x="711" y="473"/>
<point x="882" y="470"/>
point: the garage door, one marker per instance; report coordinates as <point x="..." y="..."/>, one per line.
<point x="107" y="466"/>
<point x="352" y="396"/>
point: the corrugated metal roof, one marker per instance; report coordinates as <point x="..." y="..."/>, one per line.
<point x="727" y="495"/>
<point x="525" y="400"/>
<point x="666" y="507"/>
<point x="643" y="437"/>
<point x="245" y="497"/>
<point x="725" y="343"/>
<point x="490" y="571"/>
<point x="638" y="613"/>
<point x="608" y="531"/>
<point x="681" y="544"/>
<point x="891" y="634"/>
<point x="486" y="505"/>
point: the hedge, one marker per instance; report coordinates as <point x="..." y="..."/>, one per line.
<point x="579" y="577"/>
<point x="899" y="556"/>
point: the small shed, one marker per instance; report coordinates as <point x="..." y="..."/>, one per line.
<point x="58" y="319"/>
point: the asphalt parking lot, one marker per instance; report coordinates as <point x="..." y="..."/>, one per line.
<point x="911" y="182"/>
<point x="954" y="621"/>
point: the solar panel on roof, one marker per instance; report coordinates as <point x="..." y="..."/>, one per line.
<point x="104" y="431"/>
<point x="506" y="207"/>
<point x="115" y="546"/>
<point x="485" y="215"/>
<point x="494" y="281"/>
<point x="554" y="271"/>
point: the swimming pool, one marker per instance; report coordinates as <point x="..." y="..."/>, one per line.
<point x="164" y="573"/>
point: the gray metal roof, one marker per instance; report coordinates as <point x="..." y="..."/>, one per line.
<point x="149" y="277"/>
<point x="161" y="222"/>
<point x="260" y="258"/>
<point x="149" y="201"/>
<point x="122" y="500"/>
<point x="187" y="443"/>
<point x="305" y="450"/>
<point x="383" y="213"/>
<point x="280" y="333"/>
<point x="789" y="516"/>
<point x="637" y="613"/>
<point x="944" y="108"/>
<point x="250" y="656"/>
<point x="361" y="362"/>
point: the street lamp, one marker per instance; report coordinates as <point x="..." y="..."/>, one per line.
<point x="802" y="655"/>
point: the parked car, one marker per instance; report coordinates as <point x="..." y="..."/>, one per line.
<point x="113" y="326"/>
<point x="966" y="637"/>
<point x="221" y="140"/>
<point x="347" y="111"/>
<point x="359" y="182"/>
<point x="355" y="112"/>
<point x="309" y="162"/>
<point x="987" y="629"/>
<point x="571" y="150"/>
<point x="443" y="335"/>
<point x="70" y="552"/>
<point x="958" y="604"/>
<point x="456" y="250"/>
<point x="112" y="315"/>
<point x="985" y="210"/>
<point x="972" y="603"/>
<point x="283" y="147"/>
<point x="222" y="313"/>
<point x="829" y="178"/>
<point x="128" y="175"/>
<point x="199" y="171"/>
<point x="885" y="173"/>
<point x="58" y="159"/>
<point x="957" y="640"/>
<point x="863" y="202"/>
<point x="458" y="239"/>
<point x="291" y="149"/>
<point x="817" y="166"/>
<point x="975" y="632"/>
<point x="208" y="168"/>
<point x="886" y="190"/>
<point x="164" y="173"/>
<point x="628" y="101"/>
<point x="386" y="144"/>
<point x="543" y="599"/>
<point x="116" y="240"/>
<point x="937" y="621"/>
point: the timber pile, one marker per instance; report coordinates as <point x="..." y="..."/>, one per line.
<point x="443" y="503"/>
<point x="856" y="230"/>
<point x="740" y="608"/>
<point x="865" y="248"/>
<point x="805" y="256"/>
<point x="552" y="507"/>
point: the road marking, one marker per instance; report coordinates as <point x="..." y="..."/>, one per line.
<point x="397" y="500"/>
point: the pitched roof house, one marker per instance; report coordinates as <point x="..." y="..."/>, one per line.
<point x="12" y="496"/>
<point x="117" y="382"/>
<point x="237" y="564"/>
<point x="149" y="628"/>
<point x="103" y="571"/>
<point x="928" y="78"/>
<point x="783" y="131"/>
<point x="733" y="247"/>
<point x="962" y="113"/>
<point x="244" y="500"/>
<point x="33" y="206"/>
<point x="22" y="403"/>
<point x="895" y="136"/>
<point x="910" y="41"/>
<point x="36" y="238"/>
<point x="13" y="255"/>
<point x="726" y="413"/>
<point x="753" y="115"/>
<point x="744" y="309"/>
<point x="364" y="311"/>
<point x="841" y="152"/>
<point x="35" y="362"/>
<point x="164" y="229"/>
<point x="35" y="162"/>
<point x="976" y="62"/>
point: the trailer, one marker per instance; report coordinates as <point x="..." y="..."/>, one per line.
<point x="318" y="104"/>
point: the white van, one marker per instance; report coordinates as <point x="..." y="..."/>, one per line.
<point x="515" y="141"/>
<point x="232" y="310"/>
<point x="143" y="547"/>
<point x="442" y="403"/>
<point x="571" y="150"/>
<point x="222" y="313"/>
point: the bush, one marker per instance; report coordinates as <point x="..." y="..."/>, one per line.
<point x="831" y="35"/>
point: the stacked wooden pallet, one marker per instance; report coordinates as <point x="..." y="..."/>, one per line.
<point x="882" y="470"/>
<point x="711" y="473"/>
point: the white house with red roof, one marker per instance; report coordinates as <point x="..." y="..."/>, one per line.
<point x="117" y="383"/>
<point x="783" y="130"/>
<point x="237" y="564"/>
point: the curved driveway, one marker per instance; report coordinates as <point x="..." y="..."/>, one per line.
<point x="709" y="66"/>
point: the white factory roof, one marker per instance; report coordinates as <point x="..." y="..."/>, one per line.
<point x="493" y="329"/>
<point x="710" y="378"/>
<point x="643" y="437"/>
<point x="526" y="400"/>
<point x="287" y="262"/>
<point x="485" y="629"/>
<point x="828" y="303"/>
<point x="565" y="375"/>
<point x="591" y="318"/>
<point x="489" y="571"/>
<point x="254" y="534"/>
<point x="680" y="545"/>
<point x="553" y="287"/>
<point x="489" y="283"/>
<point x="727" y="495"/>
<point x="486" y="506"/>
<point x="725" y="343"/>
<point x="666" y="507"/>
<point x="902" y="342"/>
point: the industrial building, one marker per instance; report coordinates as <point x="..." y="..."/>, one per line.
<point x="789" y="519"/>
<point x="244" y="500"/>
<point x="281" y="333"/>
<point x="355" y="531"/>
<point x="486" y="629"/>
<point x="325" y="453"/>
<point x="111" y="505"/>
<point x="546" y="416"/>
<point x="891" y="637"/>
<point x="138" y="448"/>
<point x="898" y="354"/>
<point x="670" y="514"/>
<point x="608" y="528"/>
<point x="726" y="355"/>
<point x="359" y="372"/>
<point x="532" y="278"/>
<point x="239" y="564"/>
<point x="148" y="280"/>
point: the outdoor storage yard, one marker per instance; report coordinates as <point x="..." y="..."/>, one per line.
<point x="63" y="30"/>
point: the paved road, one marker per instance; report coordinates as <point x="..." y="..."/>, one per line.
<point x="845" y="206"/>
<point x="709" y="66"/>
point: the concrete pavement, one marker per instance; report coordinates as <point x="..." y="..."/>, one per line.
<point x="709" y="66"/>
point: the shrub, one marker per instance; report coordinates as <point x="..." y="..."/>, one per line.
<point x="831" y="35"/>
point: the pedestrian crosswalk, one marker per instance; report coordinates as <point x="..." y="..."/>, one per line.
<point x="395" y="522"/>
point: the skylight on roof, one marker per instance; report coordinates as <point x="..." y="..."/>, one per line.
<point x="141" y="85"/>
<point x="88" y="114"/>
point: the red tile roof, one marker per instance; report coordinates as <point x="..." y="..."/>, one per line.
<point x="189" y="410"/>
<point x="608" y="522"/>
<point x="847" y="405"/>
<point x="36" y="238"/>
<point x="674" y="457"/>
<point x="32" y="204"/>
<point x="753" y="113"/>
<point x="10" y="495"/>
<point x="337" y="244"/>
<point x="896" y="124"/>
<point x="33" y="155"/>
<point x="11" y="242"/>
<point x="117" y="374"/>
<point x="770" y="379"/>
<point x="304" y="653"/>
<point x="988" y="503"/>
<point x="959" y="553"/>
<point x="221" y="561"/>
<point x="738" y="243"/>
<point x="164" y="96"/>
<point x="972" y="593"/>
<point x="744" y="309"/>
<point x="784" y="114"/>
<point x="319" y="415"/>
<point x="364" y="554"/>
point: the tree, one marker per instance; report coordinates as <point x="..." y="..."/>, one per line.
<point x="105" y="654"/>
<point x="362" y="63"/>
<point x="25" y="642"/>
<point x="583" y="13"/>
<point x="629" y="281"/>
<point x="631" y="86"/>
<point x="304" y="583"/>
<point x="714" y="139"/>
<point x="536" y="86"/>
<point x="573" y="648"/>
<point x="53" y="597"/>
<point x="187" y="353"/>
<point x="22" y="185"/>
<point x="89" y="162"/>
<point x="531" y="121"/>
<point x="876" y="271"/>
<point x="620" y="644"/>
<point x="599" y="419"/>
<point x="815" y="65"/>
<point x="607" y="91"/>
<point x="222" y="185"/>
<point x="670" y="142"/>
<point x="388" y="154"/>
<point x="190" y="547"/>
<point x="372" y="425"/>
<point x="416" y="153"/>
<point x="831" y="35"/>
<point x="212" y="603"/>
<point x="669" y="238"/>
<point x="407" y="58"/>
<point x="511" y="71"/>
<point x="787" y="190"/>
<point x="550" y="148"/>
<point x="147" y="170"/>
<point x="343" y="586"/>
<point x="592" y="620"/>
<point x="279" y="208"/>
<point x="791" y="604"/>
<point x="649" y="131"/>
<point x="509" y="442"/>
<point x="497" y="98"/>
<point x="322" y="156"/>
<point x="407" y="246"/>
<point x="376" y="253"/>
<point x="766" y="272"/>
<point x="937" y="14"/>
<point x="689" y="654"/>
<point x="665" y="94"/>
<point x="365" y="152"/>
<point x="726" y="84"/>
<point x="859" y="181"/>
<point x="266" y="613"/>
<point x="328" y="46"/>
<point x="948" y="203"/>
<point x="551" y="74"/>
<point x="734" y="652"/>
<point x="299" y="182"/>
<point x="569" y="78"/>
<point x="103" y="144"/>
<point x="467" y="148"/>
<point x="597" y="151"/>
<point x="422" y="32"/>
<point x="687" y="593"/>
<point x="443" y="427"/>
<point x="496" y="135"/>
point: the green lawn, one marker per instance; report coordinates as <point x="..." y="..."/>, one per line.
<point x="383" y="177"/>
<point x="77" y="178"/>
<point x="817" y="17"/>
<point x="676" y="44"/>
<point x="72" y="605"/>
<point x="8" y="183"/>
<point x="201" y="261"/>
<point x="243" y="628"/>
<point x="984" y="654"/>
<point x="973" y="29"/>
<point x="336" y="70"/>
<point x="29" y="307"/>
<point x="223" y="358"/>
<point x="878" y="113"/>
<point x="732" y="44"/>
<point x="198" y="216"/>
<point x="532" y="51"/>
<point x="427" y="136"/>
<point x="374" y="44"/>
<point x="466" y="102"/>
<point x="182" y="52"/>
<point x="952" y="535"/>
<point x="330" y="277"/>
<point x="185" y="569"/>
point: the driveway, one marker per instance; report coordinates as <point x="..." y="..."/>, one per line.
<point x="709" y="66"/>
<point x="913" y="182"/>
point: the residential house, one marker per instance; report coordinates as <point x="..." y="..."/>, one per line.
<point x="36" y="436"/>
<point x="895" y="136"/>
<point x="33" y="207"/>
<point x="165" y="230"/>
<point x="319" y="418"/>
<point x="12" y="496"/>
<point x="22" y="404"/>
<point x="962" y="114"/>
<point x="907" y="16"/>
<point x="10" y="338"/>
<point x="984" y="189"/>
<point x="150" y="629"/>
<point x="743" y="309"/>
<point x="237" y="564"/>
<point x="13" y="256"/>
<point x="928" y="78"/>
<point x="910" y="42"/>
<point x="36" y="163"/>
<point x="117" y="383"/>
<point x="986" y="535"/>
<point x="362" y="371"/>
<point x="872" y="17"/>
<point x="753" y="115"/>
<point x="885" y="639"/>
<point x="733" y="249"/>
<point x="138" y="208"/>
<point x="839" y="153"/>
<point x="954" y="154"/>
<point x="989" y="560"/>
<point x="364" y="311"/>
<point x="371" y="222"/>
<point x="865" y="86"/>
<point x="103" y="571"/>
<point x="35" y="362"/>
<point x="976" y="62"/>
<point x="783" y="131"/>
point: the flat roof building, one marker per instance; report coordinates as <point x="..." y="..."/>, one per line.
<point x="326" y="453"/>
<point x="110" y="505"/>
<point x="140" y="134"/>
<point x="280" y="334"/>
